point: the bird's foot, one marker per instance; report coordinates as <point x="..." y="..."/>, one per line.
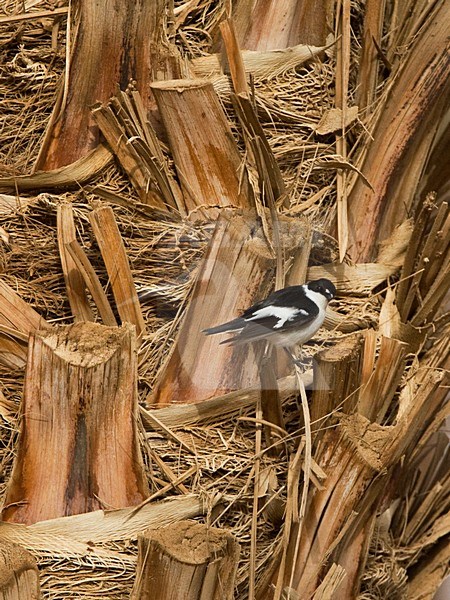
<point x="296" y="361"/>
<point x="300" y="365"/>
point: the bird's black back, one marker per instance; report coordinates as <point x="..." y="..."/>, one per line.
<point x="289" y="296"/>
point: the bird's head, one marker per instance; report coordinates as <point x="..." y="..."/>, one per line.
<point x="324" y="287"/>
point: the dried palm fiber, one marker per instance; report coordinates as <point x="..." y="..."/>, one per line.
<point x="164" y="253"/>
<point x="400" y="132"/>
<point x="174" y="242"/>
<point x="32" y="61"/>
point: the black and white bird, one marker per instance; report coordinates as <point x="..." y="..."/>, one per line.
<point x="286" y="318"/>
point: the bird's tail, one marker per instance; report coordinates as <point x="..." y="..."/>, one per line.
<point x="233" y="325"/>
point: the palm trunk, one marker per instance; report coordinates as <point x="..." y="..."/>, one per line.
<point x="78" y="448"/>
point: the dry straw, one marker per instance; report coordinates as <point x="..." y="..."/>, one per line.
<point x="209" y="461"/>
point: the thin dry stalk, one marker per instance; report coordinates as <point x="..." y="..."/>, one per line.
<point x="425" y="282"/>
<point x="117" y="264"/>
<point x="291" y="519"/>
<point x="81" y="171"/>
<point x="153" y="419"/>
<point x="256" y="488"/>
<point x="92" y="282"/>
<point x="37" y="14"/>
<point x="384" y="380"/>
<point x="133" y="140"/>
<point x="306" y="477"/>
<point x="75" y="285"/>
<point x="333" y="579"/>
<point x="235" y="57"/>
<point x="259" y="152"/>
<point x="368" y="62"/>
<point x="168" y="472"/>
<point x="16" y="315"/>
<point x="342" y="77"/>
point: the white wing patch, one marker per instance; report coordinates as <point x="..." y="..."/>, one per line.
<point x="282" y="313"/>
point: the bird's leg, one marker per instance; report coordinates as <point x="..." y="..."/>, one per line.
<point x="292" y="356"/>
<point x="295" y="360"/>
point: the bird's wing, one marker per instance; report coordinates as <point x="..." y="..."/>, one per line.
<point x="278" y="298"/>
<point x="249" y="333"/>
<point x="240" y="322"/>
<point x="270" y="319"/>
<point x="277" y="312"/>
<point x="233" y="325"/>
